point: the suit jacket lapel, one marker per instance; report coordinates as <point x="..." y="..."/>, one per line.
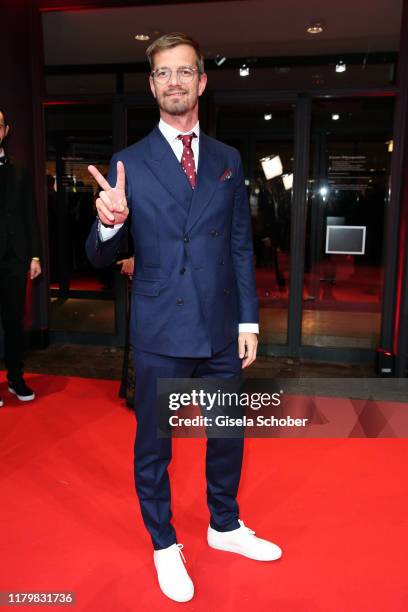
<point x="209" y="170"/>
<point x="167" y="169"/>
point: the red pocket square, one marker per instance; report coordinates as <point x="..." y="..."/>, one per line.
<point x="227" y="175"/>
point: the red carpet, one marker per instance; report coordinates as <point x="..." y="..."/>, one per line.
<point x="360" y="292"/>
<point x="70" y="520"/>
<point x="82" y="281"/>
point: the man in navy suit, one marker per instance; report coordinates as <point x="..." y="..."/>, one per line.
<point x="194" y="303"/>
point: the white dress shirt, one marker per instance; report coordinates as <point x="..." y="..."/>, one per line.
<point x="171" y="135"/>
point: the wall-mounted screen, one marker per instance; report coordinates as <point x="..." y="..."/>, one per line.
<point x="346" y="239"/>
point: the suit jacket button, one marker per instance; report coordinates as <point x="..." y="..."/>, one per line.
<point x="186" y="238"/>
<point x="214" y="233"/>
<point x="183" y="271"/>
<point x="226" y="291"/>
<point x="180" y="302"/>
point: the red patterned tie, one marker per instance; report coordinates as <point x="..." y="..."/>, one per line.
<point x="187" y="159"/>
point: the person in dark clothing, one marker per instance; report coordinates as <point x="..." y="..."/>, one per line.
<point x="19" y="253"/>
<point x="127" y="383"/>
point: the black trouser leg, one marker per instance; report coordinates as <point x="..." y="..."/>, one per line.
<point x="13" y="279"/>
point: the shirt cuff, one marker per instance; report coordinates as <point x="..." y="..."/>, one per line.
<point x="105" y="233"/>
<point x="253" y="328"/>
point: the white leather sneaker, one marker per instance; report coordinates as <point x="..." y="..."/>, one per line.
<point x="243" y="541"/>
<point x="173" y="578"/>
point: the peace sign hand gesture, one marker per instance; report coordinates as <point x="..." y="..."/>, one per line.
<point x="111" y="204"/>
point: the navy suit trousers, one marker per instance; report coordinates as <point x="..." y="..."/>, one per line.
<point x="153" y="454"/>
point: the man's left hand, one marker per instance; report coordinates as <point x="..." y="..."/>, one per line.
<point x="247" y="345"/>
<point x="35" y="269"/>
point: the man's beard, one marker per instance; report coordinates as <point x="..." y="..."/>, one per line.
<point x="180" y="107"/>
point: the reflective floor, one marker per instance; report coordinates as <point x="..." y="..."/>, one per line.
<point x="320" y="327"/>
<point x="82" y="315"/>
<point x="106" y="362"/>
<point x="323" y="328"/>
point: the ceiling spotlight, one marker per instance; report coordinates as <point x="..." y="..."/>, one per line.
<point x="315" y="28"/>
<point x="142" y="37"/>
<point x="244" y="70"/>
<point x="219" y="60"/>
<point x="390" y="146"/>
<point x="268" y="116"/>
<point x="341" y="66"/>
<point x="335" y="117"/>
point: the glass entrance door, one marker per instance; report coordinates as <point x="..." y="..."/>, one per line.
<point x="85" y="303"/>
<point x="264" y="135"/>
<point x="351" y="148"/>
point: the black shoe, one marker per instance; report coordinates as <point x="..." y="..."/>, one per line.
<point x="1" y="401"/>
<point x="19" y="388"/>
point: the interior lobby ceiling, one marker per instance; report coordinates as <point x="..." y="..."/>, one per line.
<point x="246" y="28"/>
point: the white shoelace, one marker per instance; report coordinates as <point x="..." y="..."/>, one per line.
<point x="249" y="531"/>
<point x="180" y="548"/>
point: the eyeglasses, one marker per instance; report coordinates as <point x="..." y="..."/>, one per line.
<point x="185" y="74"/>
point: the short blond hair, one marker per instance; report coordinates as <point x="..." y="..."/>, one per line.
<point x="168" y="41"/>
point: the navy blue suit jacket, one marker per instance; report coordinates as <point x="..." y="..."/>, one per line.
<point x="194" y="278"/>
